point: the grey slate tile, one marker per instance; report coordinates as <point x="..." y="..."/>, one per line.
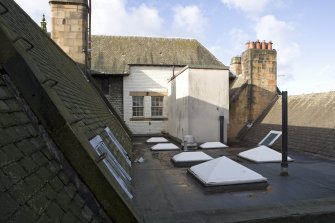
<point x="15" y="172"/>
<point x="8" y="206"/>
<point x="54" y="211"/>
<point x="26" y="215"/>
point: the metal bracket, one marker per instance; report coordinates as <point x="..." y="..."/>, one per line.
<point x="28" y="48"/>
<point x="50" y="82"/>
<point x="100" y="157"/>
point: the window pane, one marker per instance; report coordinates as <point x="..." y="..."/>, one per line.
<point x="138" y="106"/>
<point x="156" y="106"/>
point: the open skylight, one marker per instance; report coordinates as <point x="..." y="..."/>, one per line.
<point x="212" y="145"/>
<point x="118" y="145"/>
<point x="224" y="171"/>
<point x="164" y="146"/>
<point x="270" y="138"/>
<point x="111" y="163"/>
<point x="262" y="154"/>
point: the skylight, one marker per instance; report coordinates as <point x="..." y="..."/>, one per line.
<point x="111" y="163"/>
<point x="118" y="145"/>
<point x="191" y="157"/>
<point x="157" y="140"/>
<point x="212" y="145"/>
<point x="270" y="138"/>
<point x="262" y="154"/>
<point x="164" y="146"/>
<point x="224" y="171"/>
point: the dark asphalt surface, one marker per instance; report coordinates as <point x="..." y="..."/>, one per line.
<point x="164" y="193"/>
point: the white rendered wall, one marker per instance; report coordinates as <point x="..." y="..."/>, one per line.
<point x="209" y="99"/>
<point x="178" y="125"/>
<point x="199" y="98"/>
<point x="146" y="79"/>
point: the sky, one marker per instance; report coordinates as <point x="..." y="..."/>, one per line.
<point x="301" y="30"/>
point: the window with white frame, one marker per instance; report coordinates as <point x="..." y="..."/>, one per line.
<point x="138" y="106"/>
<point x="157" y="106"/>
<point x="111" y="163"/>
<point x="118" y="145"/>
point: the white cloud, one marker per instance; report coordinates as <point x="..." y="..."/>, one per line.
<point x="112" y="17"/>
<point x="189" y="21"/>
<point x="280" y="33"/>
<point x="250" y="7"/>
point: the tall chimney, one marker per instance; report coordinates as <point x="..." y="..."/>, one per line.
<point x="69" y="23"/>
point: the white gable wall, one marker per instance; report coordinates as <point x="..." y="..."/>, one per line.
<point x="198" y="97"/>
<point x="146" y="79"/>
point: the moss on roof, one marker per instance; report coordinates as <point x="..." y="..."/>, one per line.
<point x="113" y="54"/>
<point x="67" y="105"/>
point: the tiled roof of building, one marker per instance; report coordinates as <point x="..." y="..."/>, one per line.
<point x="34" y="185"/>
<point x="69" y="1"/>
<point x="311" y="120"/>
<point x="113" y="54"/>
<point x="65" y="103"/>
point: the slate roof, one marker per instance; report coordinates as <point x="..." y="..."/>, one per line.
<point x="66" y="104"/>
<point x="311" y="120"/>
<point x="69" y="1"/>
<point x="34" y="185"/>
<point x="113" y="54"/>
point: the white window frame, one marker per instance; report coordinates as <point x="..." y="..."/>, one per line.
<point x="278" y="134"/>
<point x="118" y="145"/>
<point x="115" y="169"/>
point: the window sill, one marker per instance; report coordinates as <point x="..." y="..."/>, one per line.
<point x="148" y="119"/>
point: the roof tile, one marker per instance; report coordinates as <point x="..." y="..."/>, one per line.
<point x="8" y="206"/>
<point x="113" y="54"/>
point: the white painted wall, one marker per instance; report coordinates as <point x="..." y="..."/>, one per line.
<point x="178" y="124"/>
<point x="146" y="78"/>
<point x="198" y="97"/>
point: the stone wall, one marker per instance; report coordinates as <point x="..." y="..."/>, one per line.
<point x="112" y="87"/>
<point x="69" y="27"/>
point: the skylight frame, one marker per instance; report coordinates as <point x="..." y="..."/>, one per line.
<point x="278" y="134"/>
<point x="118" y="145"/>
<point x="111" y="163"/>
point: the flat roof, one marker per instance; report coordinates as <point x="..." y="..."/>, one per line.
<point x="164" y="193"/>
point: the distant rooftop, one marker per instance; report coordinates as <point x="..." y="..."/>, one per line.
<point x="113" y="54"/>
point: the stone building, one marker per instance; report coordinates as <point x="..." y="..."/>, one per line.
<point x="254" y="87"/>
<point x="143" y="68"/>
<point x="134" y="72"/>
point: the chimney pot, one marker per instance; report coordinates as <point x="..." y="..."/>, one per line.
<point x="263" y="45"/>
<point x="270" y="45"/>
<point x="258" y="44"/>
<point x="251" y="45"/>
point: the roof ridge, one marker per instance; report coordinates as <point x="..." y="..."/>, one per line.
<point x="147" y="37"/>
